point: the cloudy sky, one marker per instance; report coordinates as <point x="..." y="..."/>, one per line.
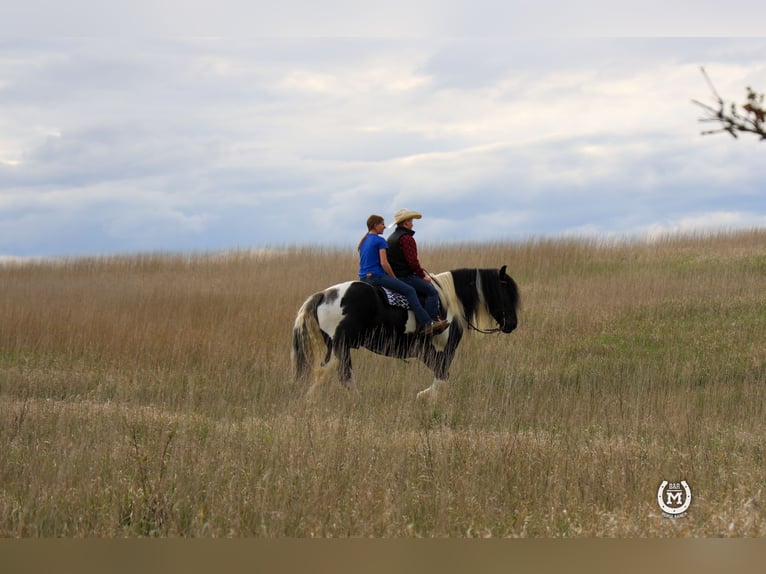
<point x="131" y="139"/>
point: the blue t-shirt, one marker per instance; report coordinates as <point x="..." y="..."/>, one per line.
<point x="369" y="255"/>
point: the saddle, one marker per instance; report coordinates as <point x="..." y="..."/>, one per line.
<point x="393" y="298"/>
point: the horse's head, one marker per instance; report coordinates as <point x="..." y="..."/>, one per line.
<point x="504" y="309"/>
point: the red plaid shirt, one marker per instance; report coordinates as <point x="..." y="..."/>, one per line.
<point x="410" y="250"/>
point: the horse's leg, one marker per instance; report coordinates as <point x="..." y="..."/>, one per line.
<point x="322" y="374"/>
<point x="343" y="353"/>
<point x="345" y="373"/>
<point x="439" y="362"/>
<point x="328" y="352"/>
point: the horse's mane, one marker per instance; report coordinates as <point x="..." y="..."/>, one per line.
<point x="446" y="287"/>
<point x="466" y="298"/>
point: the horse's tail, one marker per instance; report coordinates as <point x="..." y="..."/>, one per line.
<point x="306" y="335"/>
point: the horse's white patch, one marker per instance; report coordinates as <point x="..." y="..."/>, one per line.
<point x="439" y="341"/>
<point x="329" y="312"/>
<point x="411" y="325"/>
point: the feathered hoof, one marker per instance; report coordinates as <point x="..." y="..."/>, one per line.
<point x="431" y="393"/>
<point x="426" y="395"/>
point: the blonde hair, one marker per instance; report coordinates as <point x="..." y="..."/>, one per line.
<point x="372" y="221"/>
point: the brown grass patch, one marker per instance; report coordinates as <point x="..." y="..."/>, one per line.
<point x="152" y="395"/>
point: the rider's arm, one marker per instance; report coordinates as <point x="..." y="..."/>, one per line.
<point x="385" y="264"/>
<point x="410" y="250"/>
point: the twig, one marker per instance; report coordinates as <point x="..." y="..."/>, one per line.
<point x="752" y="118"/>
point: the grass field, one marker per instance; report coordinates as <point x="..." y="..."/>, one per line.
<point x="152" y="395"/>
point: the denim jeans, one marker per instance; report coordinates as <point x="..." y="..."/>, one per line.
<point x="409" y="292"/>
<point x="423" y="287"/>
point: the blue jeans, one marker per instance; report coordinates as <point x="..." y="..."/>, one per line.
<point x="409" y="292"/>
<point x="423" y="287"/>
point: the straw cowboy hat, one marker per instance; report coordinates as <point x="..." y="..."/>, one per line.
<point x="404" y="215"/>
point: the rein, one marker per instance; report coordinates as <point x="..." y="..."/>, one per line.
<point x="482" y="331"/>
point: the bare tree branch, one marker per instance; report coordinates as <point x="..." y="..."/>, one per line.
<point x="750" y="118"/>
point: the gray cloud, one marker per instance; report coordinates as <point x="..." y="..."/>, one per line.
<point x="113" y="145"/>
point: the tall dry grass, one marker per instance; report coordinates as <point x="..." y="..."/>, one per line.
<point x="152" y="395"/>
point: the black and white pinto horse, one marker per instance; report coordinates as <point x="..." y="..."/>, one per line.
<point x="355" y="314"/>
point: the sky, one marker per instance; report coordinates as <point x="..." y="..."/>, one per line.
<point x="170" y="129"/>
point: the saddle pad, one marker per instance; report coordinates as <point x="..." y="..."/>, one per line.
<point x="396" y="299"/>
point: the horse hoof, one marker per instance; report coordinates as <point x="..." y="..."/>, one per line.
<point x="426" y="395"/>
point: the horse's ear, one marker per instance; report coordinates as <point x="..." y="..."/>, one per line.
<point x="502" y="272"/>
